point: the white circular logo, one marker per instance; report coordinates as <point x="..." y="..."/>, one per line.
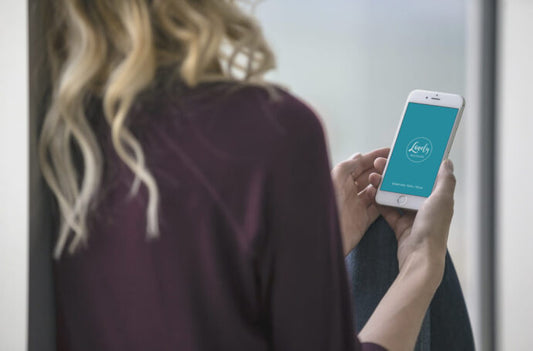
<point x="419" y="149"/>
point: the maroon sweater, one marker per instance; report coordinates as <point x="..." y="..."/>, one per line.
<point x="250" y="254"/>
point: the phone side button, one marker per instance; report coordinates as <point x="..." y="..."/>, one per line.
<point x="401" y="200"/>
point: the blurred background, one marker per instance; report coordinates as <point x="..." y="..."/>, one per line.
<point x="354" y="62"/>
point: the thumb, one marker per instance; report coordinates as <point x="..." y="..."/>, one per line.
<point x="445" y="183"/>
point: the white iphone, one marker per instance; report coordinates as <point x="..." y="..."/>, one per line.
<point x="423" y="140"/>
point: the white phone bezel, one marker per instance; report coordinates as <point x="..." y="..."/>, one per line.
<point x="425" y="97"/>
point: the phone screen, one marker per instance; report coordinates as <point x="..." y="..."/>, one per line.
<point x="419" y="148"/>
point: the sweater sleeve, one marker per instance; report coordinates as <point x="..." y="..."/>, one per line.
<point x="308" y="296"/>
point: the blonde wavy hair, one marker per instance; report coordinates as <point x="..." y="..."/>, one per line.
<point x="112" y="49"/>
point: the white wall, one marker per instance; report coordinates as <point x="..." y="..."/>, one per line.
<point x="515" y="176"/>
<point x="14" y="174"/>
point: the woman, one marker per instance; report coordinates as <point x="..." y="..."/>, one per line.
<point x="196" y="206"/>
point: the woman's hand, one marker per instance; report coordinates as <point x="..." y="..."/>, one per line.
<point x="355" y="196"/>
<point x="423" y="233"/>
<point x="395" y="323"/>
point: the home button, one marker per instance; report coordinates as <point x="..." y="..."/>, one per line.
<point x="401" y="200"/>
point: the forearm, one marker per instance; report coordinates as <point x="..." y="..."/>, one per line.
<point x="396" y="322"/>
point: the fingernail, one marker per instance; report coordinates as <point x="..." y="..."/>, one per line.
<point x="449" y="165"/>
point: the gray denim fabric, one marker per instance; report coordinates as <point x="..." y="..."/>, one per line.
<point x="373" y="266"/>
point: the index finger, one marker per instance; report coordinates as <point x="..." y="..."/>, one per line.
<point x="360" y="163"/>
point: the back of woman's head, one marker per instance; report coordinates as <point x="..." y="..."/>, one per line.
<point x="111" y="50"/>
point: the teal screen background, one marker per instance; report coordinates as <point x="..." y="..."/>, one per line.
<point x="421" y="121"/>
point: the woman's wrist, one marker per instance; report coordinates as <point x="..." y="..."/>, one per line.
<point x="425" y="264"/>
